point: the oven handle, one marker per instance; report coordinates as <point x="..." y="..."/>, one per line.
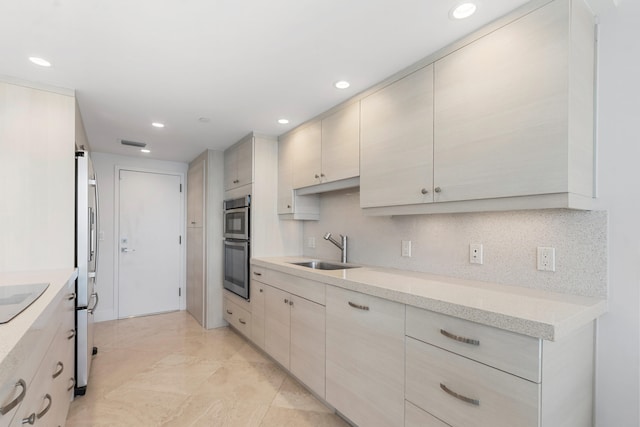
<point x="236" y="243"/>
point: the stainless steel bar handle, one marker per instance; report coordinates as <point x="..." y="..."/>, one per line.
<point x="72" y="384"/>
<point x="57" y="373"/>
<point x="242" y="321"/>
<point x="257" y="274"/>
<point x="474" y="402"/>
<point x="45" y="410"/>
<point x="71" y="296"/>
<point x="229" y="312"/>
<point x="31" y="419"/>
<point x="72" y="334"/>
<point x="97" y="297"/>
<point x="358" y="306"/>
<point x="458" y="338"/>
<point x="9" y="406"/>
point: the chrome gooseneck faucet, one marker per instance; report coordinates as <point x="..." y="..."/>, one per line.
<point x="342" y="246"/>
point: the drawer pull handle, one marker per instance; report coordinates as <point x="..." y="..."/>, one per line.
<point x="242" y="321"/>
<point x="72" y="384"/>
<point x="475" y="402"/>
<point x="31" y="419"/>
<point x="57" y="373"/>
<point x="229" y="312"/>
<point x="72" y="334"/>
<point x="5" y="409"/>
<point x="358" y="306"/>
<point x="71" y="296"/>
<point x="257" y="274"/>
<point x="261" y="290"/>
<point x="459" y="339"/>
<point x="45" y="410"/>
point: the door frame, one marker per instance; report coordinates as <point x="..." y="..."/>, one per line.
<point x="116" y="234"/>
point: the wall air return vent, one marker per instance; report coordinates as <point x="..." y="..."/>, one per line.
<point x="133" y="143"/>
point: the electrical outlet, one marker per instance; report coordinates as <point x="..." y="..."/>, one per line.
<point x="311" y="242"/>
<point x="546" y="259"/>
<point x="406" y="248"/>
<point x="475" y="253"/>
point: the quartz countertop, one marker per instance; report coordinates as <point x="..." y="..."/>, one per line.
<point x="536" y="313"/>
<point x="14" y="331"/>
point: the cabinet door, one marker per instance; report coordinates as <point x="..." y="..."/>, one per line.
<point x="195" y="194"/>
<point x="195" y="273"/>
<point x="341" y="144"/>
<point x="244" y="162"/>
<point x="308" y="343"/>
<point x="230" y="168"/>
<point x="277" y="324"/>
<point x="365" y="357"/>
<point x="307" y="156"/>
<point x="396" y="146"/>
<point x="501" y="111"/>
<point x="285" y="175"/>
<point x="257" y="313"/>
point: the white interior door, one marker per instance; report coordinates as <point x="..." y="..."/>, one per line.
<point x="149" y="246"/>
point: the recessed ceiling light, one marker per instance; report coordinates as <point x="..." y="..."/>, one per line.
<point x="39" y="61"/>
<point x="157" y="125"/>
<point x="283" y="121"/>
<point x="342" y="84"/>
<point x="463" y="10"/>
<point x="145" y="150"/>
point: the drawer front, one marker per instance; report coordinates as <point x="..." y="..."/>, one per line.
<point x="507" y="351"/>
<point x="464" y="393"/>
<point x="258" y="273"/>
<point x="305" y="288"/>
<point x="416" y="417"/>
<point x="238" y="317"/>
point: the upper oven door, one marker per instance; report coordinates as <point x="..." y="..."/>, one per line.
<point x="236" y="224"/>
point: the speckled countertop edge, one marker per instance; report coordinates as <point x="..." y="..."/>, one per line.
<point x="531" y="312"/>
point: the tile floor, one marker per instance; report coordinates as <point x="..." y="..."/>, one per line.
<point x="166" y="370"/>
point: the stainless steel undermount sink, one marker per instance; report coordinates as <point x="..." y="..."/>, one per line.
<point x="322" y="265"/>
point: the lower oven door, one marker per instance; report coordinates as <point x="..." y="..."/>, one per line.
<point x="236" y="267"/>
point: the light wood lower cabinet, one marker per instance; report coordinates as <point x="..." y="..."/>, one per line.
<point x="468" y="374"/>
<point x="365" y="357"/>
<point x="257" y="312"/>
<point x="416" y="417"/>
<point x="237" y="316"/>
<point x="46" y="374"/>
<point x="294" y="335"/>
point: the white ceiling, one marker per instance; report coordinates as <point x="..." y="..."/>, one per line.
<point x="242" y="63"/>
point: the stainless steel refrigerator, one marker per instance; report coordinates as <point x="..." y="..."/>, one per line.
<point x="86" y="262"/>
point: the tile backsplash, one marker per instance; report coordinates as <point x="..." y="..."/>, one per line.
<point x="440" y="243"/>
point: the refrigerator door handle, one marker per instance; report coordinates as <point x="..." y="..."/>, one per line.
<point x="92" y="309"/>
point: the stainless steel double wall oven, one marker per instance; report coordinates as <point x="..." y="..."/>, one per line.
<point x="237" y="245"/>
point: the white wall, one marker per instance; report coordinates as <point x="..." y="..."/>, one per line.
<point x="618" y="353"/>
<point x="105" y="166"/>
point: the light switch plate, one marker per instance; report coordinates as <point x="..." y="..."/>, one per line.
<point x="406" y="248"/>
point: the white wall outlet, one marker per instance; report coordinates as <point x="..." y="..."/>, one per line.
<point x="475" y="253"/>
<point x="406" y="248"/>
<point x="546" y="259"/>
<point x="311" y="242"/>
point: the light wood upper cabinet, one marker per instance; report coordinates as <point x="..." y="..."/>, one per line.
<point x="195" y="193"/>
<point x="509" y="119"/>
<point x="341" y="144"/>
<point x="306" y="146"/>
<point x="396" y="147"/>
<point x="289" y="204"/>
<point x="238" y="164"/>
